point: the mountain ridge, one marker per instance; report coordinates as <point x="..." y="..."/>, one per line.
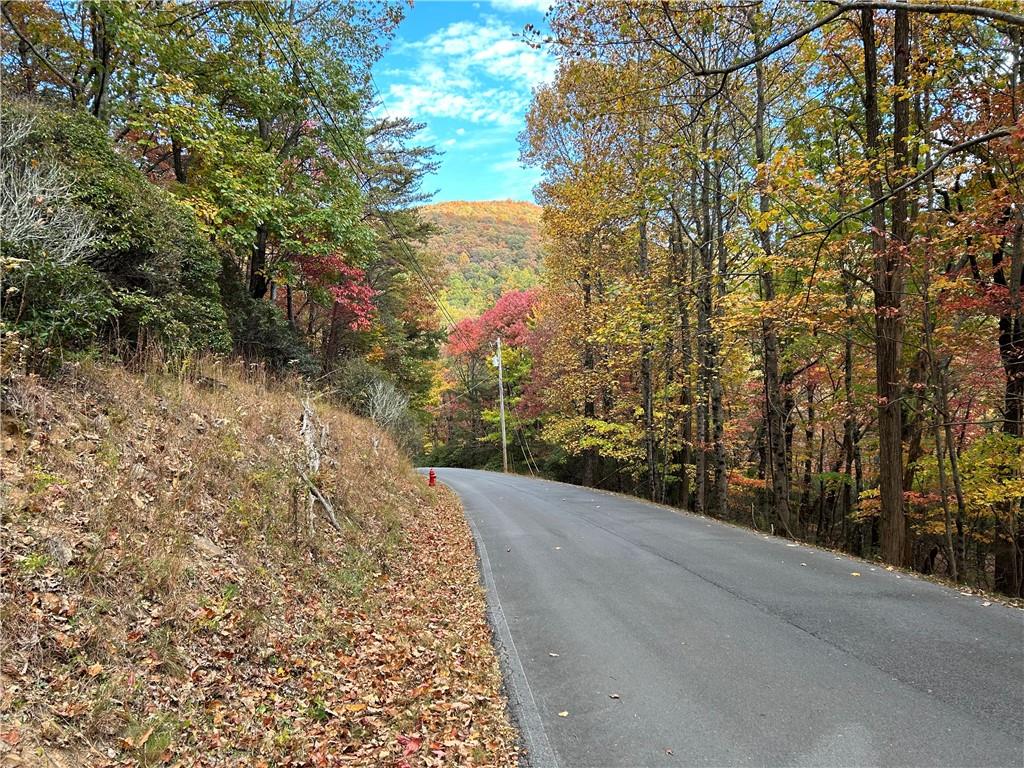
<point x="487" y="247"/>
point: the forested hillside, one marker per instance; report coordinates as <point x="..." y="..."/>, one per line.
<point x="487" y="247"/>
<point x="214" y="180"/>
<point x="784" y="254"/>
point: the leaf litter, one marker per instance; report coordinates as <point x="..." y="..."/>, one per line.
<point x="164" y="605"/>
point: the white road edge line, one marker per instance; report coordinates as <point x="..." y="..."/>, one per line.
<point x="538" y="748"/>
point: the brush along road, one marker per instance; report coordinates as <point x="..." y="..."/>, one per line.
<point x="632" y="635"/>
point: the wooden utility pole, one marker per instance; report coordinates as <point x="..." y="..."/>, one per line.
<point x="501" y="407"/>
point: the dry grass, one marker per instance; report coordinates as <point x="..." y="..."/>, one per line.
<point x="166" y="602"/>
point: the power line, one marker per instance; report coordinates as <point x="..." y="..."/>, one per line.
<point x="524" y="443"/>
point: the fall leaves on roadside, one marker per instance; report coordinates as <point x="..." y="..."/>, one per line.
<point x="161" y="608"/>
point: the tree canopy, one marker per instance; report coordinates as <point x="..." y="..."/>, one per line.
<point x="783" y="256"/>
<point x="241" y="188"/>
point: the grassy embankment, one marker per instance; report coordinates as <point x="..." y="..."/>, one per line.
<point x="171" y="597"/>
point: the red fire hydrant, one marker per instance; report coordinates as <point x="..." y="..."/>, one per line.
<point x="431" y="478"/>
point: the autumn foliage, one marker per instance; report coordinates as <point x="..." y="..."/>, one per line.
<point x="487" y="248"/>
<point x="509" y="318"/>
<point x="213" y="179"/>
<point x="782" y="276"/>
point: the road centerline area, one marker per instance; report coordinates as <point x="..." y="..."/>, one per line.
<point x="653" y="638"/>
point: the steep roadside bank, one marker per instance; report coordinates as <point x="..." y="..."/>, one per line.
<point x="175" y="592"/>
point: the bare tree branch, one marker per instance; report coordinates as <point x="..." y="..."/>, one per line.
<point x="994" y="14"/>
<point x="984" y="138"/>
<point x="35" y="51"/>
<point x="38" y="210"/>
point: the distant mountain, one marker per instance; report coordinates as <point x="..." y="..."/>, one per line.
<point x="489" y="247"/>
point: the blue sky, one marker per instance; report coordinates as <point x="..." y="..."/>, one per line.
<point x="459" y="68"/>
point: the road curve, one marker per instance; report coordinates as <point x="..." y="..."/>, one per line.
<point x="669" y="639"/>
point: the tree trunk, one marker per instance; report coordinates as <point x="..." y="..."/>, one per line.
<point x="775" y="426"/>
<point x="704" y="331"/>
<point x="99" y="71"/>
<point x="914" y="405"/>
<point x="330" y="343"/>
<point x="850" y="491"/>
<point x="887" y="279"/>
<point x="717" y="392"/>
<point x="23" y="55"/>
<point x="677" y="253"/>
<point x="1008" y="547"/>
<point x="954" y="470"/>
<point x="646" y="385"/>
<point x="177" y="152"/>
<point x="589" y="406"/>
<point x="258" y="282"/>
<point x="806" y="493"/>
<point x="821" y="498"/>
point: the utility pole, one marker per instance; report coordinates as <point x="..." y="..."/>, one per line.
<point x="501" y="406"/>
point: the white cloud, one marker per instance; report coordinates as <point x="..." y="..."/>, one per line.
<point x="472" y="81"/>
<point x="493" y="106"/>
<point x="521" y="5"/>
<point x="474" y="71"/>
<point x="471" y="48"/>
<point x="492" y="137"/>
<point x="506" y="166"/>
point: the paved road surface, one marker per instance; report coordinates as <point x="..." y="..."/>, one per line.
<point x="673" y="640"/>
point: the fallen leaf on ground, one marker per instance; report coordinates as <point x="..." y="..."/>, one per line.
<point x="412" y="745"/>
<point x="11" y="737"/>
<point x="141" y="741"/>
<point x="563" y="714"/>
<point x="270" y="654"/>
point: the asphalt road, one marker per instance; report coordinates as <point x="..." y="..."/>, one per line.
<point x="669" y="639"/>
